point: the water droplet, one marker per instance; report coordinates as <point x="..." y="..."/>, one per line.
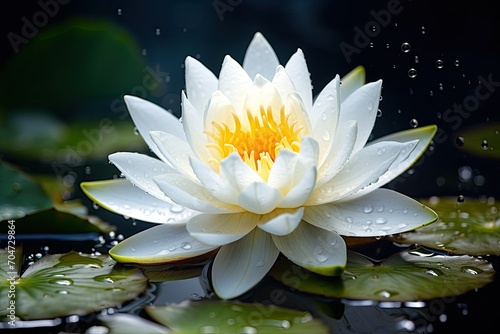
<point x="61" y="281"/>
<point x="379" y="113"/>
<point x="416" y="59"/>
<point x="285" y="324"/>
<point x="95" y="206"/>
<point x="460" y="141"/>
<point x="175" y="208"/>
<point x="144" y="52"/>
<point x="186" y="245"/>
<point x="326" y="135"/>
<point x="260" y="264"/>
<point x="439" y="63"/>
<point x="471" y="270"/>
<point x="88" y="170"/>
<point x="248" y="330"/>
<point x="368" y="209"/>
<point x="157" y="32"/>
<point x="484" y="144"/>
<point x="456" y="62"/>
<point x="412" y="73"/>
<point x="413" y="123"/>
<point x="119" y="11"/>
<point x="381" y="220"/>
<point x="460" y="199"/>
<point x="405" y="47"/>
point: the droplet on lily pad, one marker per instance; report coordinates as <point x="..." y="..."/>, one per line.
<point x="466" y="225"/>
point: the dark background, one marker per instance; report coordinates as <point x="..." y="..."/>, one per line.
<point x="76" y="84"/>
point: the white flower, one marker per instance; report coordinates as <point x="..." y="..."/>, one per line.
<point x="261" y="168"/>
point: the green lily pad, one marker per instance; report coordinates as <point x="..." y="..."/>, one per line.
<point x="482" y="140"/>
<point x="71" y="62"/>
<point x="19" y="195"/>
<point x="405" y="276"/>
<point x="472" y="227"/>
<point x="234" y="317"/>
<point x="35" y="136"/>
<point x="66" y="284"/>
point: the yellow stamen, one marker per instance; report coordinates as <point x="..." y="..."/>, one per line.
<point x="258" y="146"/>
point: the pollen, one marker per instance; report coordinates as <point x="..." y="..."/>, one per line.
<point x="258" y="143"/>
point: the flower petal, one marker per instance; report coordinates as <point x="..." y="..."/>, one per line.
<point x="298" y="72"/>
<point x="259" y="198"/>
<point x="424" y="136"/>
<point x="324" y="116"/>
<point x="363" y="168"/>
<point x="220" y="111"/>
<point x="351" y="82"/>
<point x="140" y="169"/>
<point x="299" y="194"/>
<point x="280" y="221"/>
<point x="262" y="94"/>
<point x="176" y="151"/>
<point x="159" y="244"/>
<point x="362" y="106"/>
<point x="260" y="58"/>
<point x="241" y="265"/>
<point x="378" y="213"/>
<point x="238" y="173"/>
<point x="187" y="193"/>
<point x="318" y="250"/>
<point x="200" y="83"/>
<point x="340" y="151"/>
<point x="121" y="197"/>
<point x="234" y="82"/>
<point x="283" y="83"/>
<point x="214" y="183"/>
<point x="281" y="175"/>
<point x="192" y="121"/>
<point x="148" y="116"/>
<point x="221" y="229"/>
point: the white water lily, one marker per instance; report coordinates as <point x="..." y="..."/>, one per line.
<point x="257" y="167"/>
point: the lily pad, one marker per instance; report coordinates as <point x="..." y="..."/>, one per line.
<point x="482" y="140"/>
<point x="471" y="227"/>
<point x="19" y="195"/>
<point x="405" y="276"/>
<point x="67" y="284"/>
<point x="234" y="317"/>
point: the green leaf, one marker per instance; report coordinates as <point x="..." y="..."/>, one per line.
<point x="72" y="62"/>
<point x="234" y="317"/>
<point x="66" y="284"/>
<point x="482" y="140"/>
<point x="405" y="276"/>
<point x="19" y="195"/>
<point x="472" y="227"/>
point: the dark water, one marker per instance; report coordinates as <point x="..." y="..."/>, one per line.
<point x="430" y="55"/>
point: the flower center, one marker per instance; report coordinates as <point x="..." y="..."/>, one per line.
<point x="258" y="146"/>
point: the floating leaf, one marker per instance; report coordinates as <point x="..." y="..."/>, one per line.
<point x="482" y="140"/>
<point x="100" y="59"/>
<point x="471" y="227"/>
<point x="66" y="284"/>
<point x="405" y="276"/>
<point x="165" y="273"/>
<point x="234" y="317"/>
<point x="19" y="195"/>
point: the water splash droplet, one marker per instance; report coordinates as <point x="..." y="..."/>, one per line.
<point x="405" y="47"/>
<point x="413" y="123"/>
<point x="439" y="63"/>
<point x="412" y="73"/>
